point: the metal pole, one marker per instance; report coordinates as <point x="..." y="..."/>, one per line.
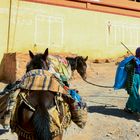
<point x="9" y="25"/>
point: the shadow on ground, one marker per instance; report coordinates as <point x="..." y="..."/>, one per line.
<point x="109" y="110"/>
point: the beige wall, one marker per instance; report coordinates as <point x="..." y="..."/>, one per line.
<point x="62" y="29"/>
<point x="3" y="26"/>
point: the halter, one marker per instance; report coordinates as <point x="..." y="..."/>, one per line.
<point x="76" y="62"/>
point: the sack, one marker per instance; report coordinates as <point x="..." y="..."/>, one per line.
<point x="61" y="66"/>
<point x="79" y="113"/>
<point x="78" y="108"/>
<point x="121" y="74"/>
<point x="75" y="95"/>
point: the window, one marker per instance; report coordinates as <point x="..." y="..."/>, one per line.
<point x="49" y="31"/>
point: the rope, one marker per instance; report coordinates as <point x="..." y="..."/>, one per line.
<point x="98" y="85"/>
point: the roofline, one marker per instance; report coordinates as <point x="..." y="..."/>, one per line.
<point x="125" y="8"/>
<point x="121" y="4"/>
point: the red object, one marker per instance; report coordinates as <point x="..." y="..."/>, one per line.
<point x="66" y="88"/>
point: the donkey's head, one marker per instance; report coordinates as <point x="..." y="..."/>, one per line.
<point x="38" y="61"/>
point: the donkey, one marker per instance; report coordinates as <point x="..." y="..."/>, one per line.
<point x="37" y="122"/>
<point x="78" y="63"/>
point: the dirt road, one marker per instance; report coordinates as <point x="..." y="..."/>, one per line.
<point x="106" y="118"/>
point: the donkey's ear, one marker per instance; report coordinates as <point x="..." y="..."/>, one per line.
<point x="45" y="54"/>
<point x="86" y="58"/>
<point x="31" y="54"/>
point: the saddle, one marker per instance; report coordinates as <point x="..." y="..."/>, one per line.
<point x="56" y="125"/>
<point x="44" y="81"/>
<point x="40" y="80"/>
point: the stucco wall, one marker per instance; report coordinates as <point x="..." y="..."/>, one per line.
<point x="37" y="26"/>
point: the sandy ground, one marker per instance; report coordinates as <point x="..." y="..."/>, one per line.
<point x="106" y="118"/>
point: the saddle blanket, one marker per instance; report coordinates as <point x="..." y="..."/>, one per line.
<point x="41" y="80"/>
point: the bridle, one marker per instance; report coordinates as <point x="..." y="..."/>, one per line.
<point x="45" y="67"/>
<point x="76" y="63"/>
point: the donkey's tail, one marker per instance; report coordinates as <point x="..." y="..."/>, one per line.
<point x="41" y="122"/>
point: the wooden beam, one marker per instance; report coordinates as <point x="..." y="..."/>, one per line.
<point x="112" y="10"/>
<point x="65" y="3"/>
<point x="125" y="7"/>
<point x="125" y="4"/>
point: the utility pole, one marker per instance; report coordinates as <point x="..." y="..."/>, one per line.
<point x="9" y="25"/>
